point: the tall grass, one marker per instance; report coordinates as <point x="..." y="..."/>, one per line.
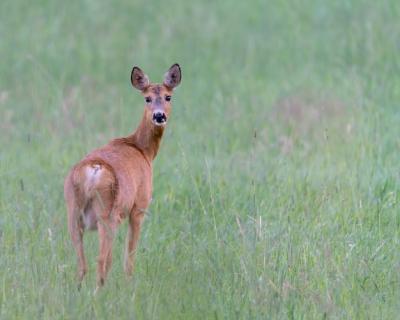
<point x="276" y="190"/>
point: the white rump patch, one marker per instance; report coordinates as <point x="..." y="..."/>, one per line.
<point x="93" y="174"/>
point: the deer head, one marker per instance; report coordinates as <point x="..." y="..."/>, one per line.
<point x="157" y="96"/>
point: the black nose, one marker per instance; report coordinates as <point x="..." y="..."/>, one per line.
<point x="159" y="117"/>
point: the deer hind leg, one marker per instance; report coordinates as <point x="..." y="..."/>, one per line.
<point x="106" y="229"/>
<point x="76" y="229"/>
<point x="98" y="186"/>
<point x="106" y="225"/>
<point x="132" y="238"/>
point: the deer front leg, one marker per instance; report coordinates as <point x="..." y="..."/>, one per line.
<point x="132" y="238"/>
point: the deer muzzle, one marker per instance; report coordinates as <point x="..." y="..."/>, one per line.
<point x="159" y="117"/>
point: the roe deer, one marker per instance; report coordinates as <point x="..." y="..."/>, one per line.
<point x="115" y="181"/>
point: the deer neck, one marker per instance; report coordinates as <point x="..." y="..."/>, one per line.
<point x="147" y="138"/>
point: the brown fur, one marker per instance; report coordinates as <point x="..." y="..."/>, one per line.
<point x="115" y="182"/>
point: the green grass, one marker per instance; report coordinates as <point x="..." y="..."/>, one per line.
<point x="277" y="186"/>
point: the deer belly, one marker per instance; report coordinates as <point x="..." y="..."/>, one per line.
<point x="90" y="219"/>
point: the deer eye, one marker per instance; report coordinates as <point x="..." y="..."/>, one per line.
<point x="168" y="98"/>
<point x="147" y="99"/>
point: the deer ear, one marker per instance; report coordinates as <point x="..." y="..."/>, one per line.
<point x="173" y="76"/>
<point x="139" y="80"/>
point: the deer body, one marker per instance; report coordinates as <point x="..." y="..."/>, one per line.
<point x="115" y="181"/>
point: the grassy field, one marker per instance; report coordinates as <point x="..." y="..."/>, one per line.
<point x="277" y="186"/>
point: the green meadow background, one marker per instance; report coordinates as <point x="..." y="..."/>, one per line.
<point x="277" y="186"/>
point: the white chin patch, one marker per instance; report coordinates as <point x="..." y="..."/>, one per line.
<point x="160" y="124"/>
